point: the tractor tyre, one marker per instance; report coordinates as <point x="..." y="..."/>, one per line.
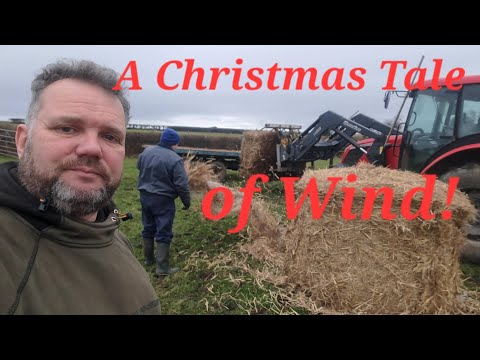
<point x="469" y="183"/>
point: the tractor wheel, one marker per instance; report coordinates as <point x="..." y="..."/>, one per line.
<point x="469" y="183"/>
<point x="219" y="169"/>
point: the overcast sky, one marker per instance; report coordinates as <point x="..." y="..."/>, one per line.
<point x="225" y="107"/>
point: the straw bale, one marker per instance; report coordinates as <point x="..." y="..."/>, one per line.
<point x="258" y="152"/>
<point x="268" y="233"/>
<point x="374" y="266"/>
<point x="199" y="174"/>
<point x="218" y="200"/>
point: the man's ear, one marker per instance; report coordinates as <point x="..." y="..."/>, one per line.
<point x="21" y="139"/>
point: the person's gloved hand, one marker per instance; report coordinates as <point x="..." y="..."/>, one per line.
<point x="185" y="197"/>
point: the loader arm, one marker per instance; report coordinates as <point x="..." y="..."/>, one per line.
<point x="328" y="135"/>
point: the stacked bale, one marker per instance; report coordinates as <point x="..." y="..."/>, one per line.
<point x="258" y="152"/>
<point x="374" y="266"/>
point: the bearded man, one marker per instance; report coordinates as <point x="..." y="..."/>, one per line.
<point x="61" y="250"/>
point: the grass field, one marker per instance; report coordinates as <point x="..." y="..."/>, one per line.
<point x="6" y="158"/>
<point x="203" y="286"/>
<point x="212" y="280"/>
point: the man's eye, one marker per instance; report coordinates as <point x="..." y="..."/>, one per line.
<point x="66" y="129"/>
<point x="110" y="137"/>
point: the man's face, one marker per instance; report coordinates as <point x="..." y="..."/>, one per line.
<point x="76" y="146"/>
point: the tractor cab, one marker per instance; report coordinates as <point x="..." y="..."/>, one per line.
<point x="438" y="122"/>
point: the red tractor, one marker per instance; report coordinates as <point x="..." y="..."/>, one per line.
<point x="441" y="136"/>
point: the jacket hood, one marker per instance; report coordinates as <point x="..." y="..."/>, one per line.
<point x="15" y="197"/>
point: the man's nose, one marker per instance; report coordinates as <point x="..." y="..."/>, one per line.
<point x="89" y="145"/>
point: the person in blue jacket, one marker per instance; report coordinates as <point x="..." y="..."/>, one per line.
<point x="162" y="179"/>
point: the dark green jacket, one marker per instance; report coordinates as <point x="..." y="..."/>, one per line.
<point x="54" y="264"/>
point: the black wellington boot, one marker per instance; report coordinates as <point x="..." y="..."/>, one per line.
<point x="148" y="251"/>
<point x="162" y="257"/>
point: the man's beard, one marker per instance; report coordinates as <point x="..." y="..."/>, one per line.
<point x="65" y="198"/>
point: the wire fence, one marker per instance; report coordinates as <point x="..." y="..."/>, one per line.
<point x="7" y="143"/>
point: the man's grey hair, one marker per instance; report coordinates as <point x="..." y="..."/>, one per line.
<point x="80" y="70"/>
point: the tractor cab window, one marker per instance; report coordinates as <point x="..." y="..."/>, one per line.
<point x="430" y="125"/>
<point x="469" y="124"/>
<point x="433" y="113"/>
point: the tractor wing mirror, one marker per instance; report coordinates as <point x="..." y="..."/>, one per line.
<point x="386" y="98"/>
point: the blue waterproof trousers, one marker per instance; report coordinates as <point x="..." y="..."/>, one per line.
<point x="158" y="213"/>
